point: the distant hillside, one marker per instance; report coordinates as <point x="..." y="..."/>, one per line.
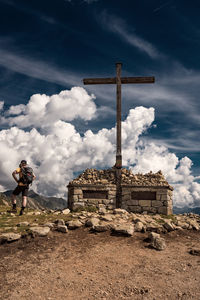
<point x="185" y="209"/>
<point x="35" y="201"/>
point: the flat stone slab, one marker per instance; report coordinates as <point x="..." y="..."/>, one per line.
<point x="124" y="229"/>
<point x="40" y="231"/>
<point x="9" y="237"/>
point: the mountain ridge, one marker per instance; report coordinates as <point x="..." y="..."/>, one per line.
<point x="35" y="201"/>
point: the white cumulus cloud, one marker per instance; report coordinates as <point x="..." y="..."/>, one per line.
<point x="59" y="152"/>
<point x="42" y="111"/>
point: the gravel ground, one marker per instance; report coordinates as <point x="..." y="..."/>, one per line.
<point x="84" y="265"/>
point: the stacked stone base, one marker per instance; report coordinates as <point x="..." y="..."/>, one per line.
<point x="100" y="195"/>
<point x="77" y="199"/>
<point x="160" y="202"/>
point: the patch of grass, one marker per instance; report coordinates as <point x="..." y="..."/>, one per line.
<point x="159" y="221"/>
<point x="169" y="217"/>
<point x="8" y="223"/>
<point x="90" y="208"/>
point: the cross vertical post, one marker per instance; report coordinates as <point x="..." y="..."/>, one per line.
<point x="119" y="101"/>
<point x="118" y="80"/>
<point x="118" y="164"/>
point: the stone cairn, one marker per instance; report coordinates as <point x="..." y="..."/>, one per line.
<point x="93" y="176"/>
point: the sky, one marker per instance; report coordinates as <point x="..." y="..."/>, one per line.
<point x="61" y="127"/>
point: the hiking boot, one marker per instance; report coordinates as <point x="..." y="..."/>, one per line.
<point x="21" y="212"/>
<point x="13" y="210"/>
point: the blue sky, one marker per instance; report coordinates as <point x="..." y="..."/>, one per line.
<point x="49" y="46"/>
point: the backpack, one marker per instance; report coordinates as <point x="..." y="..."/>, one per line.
<point x="27" y="175"/>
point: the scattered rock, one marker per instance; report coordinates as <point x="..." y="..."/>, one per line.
<point x="103" y="226"/>
<point x="66" y="211"/>
<point x="59" y="222"/>
<point x="139" y="226"/>
<point x="23" y="224"/>
<point x="73" y="224"/>
<point x="40" y="231"/>
<point x="107" y="217"/>
<point x="37" y="213"/>
<point x="124" y="229"/>
<point x="157" y="242"/>
<point x="62" y="228"/>
<point x="48" y="224"/>
<point x="168" y="225"/>
<point x="9" y="237"/>
<point x="194" y="224"/>
<point x="119" y="211"/>
<point x="102" y="210"/>
<point x="92" y="222"/>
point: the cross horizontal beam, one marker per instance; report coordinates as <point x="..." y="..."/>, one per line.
<point x="124" y="80"/>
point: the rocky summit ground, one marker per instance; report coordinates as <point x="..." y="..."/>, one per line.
<point x="85" y="263"/>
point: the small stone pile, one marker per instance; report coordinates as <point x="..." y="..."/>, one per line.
<point x="93" y="176"/>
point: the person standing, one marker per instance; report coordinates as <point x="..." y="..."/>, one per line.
<point x="23" y="176"/>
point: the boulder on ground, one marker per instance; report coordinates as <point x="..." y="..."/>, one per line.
<point x="62" y="228"/>
<point x="103" y="226"/>
<point x="169" y="225"/>
<point x="59" y="222"/>
<point x="157" y="242"/>
<point x="139" y="226"/>
<point x="74" y="224"/>
<point x="102" y="210"/>
<point x="92" y="222"/>
<point x="40" y="231"/>
<point x="194" y="224"/>
<point x="119" y="211"/>
<point x="124" y="229"/>
<point x="107" y="217"/>
<point x="66" y="211"/>
<point x="49" y="224"/>
<point x="9" y="237"/>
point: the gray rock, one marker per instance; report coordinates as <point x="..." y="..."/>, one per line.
<point x="9" y="237"/>
<point x="92" y="222"/>
<point x="169" y="226"/>
<point x="73" y="224"/>
<point x="40" y="231"/>
<point x="139" y="226"/>
<point x="157" y="242"/>
<point x="153" y="235"/>
<point x="194" y="224"/>
<point x="107" y="217"/>
<point x="49" y="224"/>
<point x="66" y="211"/>
<point x="119" y="211"/>
<point x="23" y="224"/>
<point x="103" y="226"/>
<point x="102" y="210"/>
<point x="62" y="228"/>
<point x="124" y="229"/>
<point x="59" y="222"/>
<point x="153" y="227"/>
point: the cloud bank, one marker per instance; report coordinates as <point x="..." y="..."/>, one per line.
<point x="41" y="133"/>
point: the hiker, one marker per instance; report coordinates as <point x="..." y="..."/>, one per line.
<point x="26" y="176"/>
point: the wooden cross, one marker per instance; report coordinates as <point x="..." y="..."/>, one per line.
<point x="118" y="80"/>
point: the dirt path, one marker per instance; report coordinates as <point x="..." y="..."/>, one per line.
<point x="81" y="265"/>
